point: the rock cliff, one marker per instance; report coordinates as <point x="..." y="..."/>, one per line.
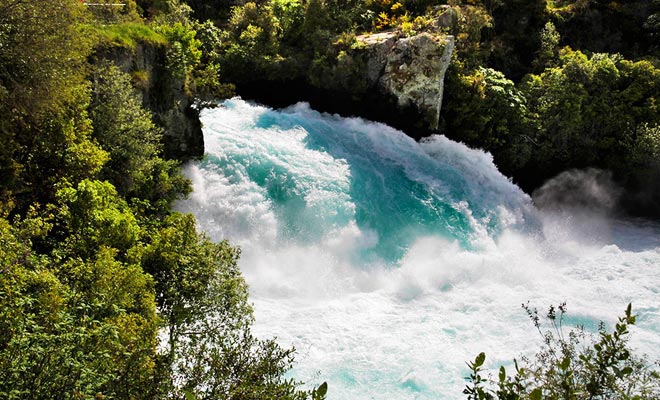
<point x="404" y="73"/>
<point x="414" y="73"/>
<point x="385" y="77"/>
<point x="163" y="94"/>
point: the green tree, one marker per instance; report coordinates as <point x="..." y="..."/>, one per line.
<point x="170" y="12"/>
<point x="253" y="48"/>
<point x="202" y="299"/>
<point x="315" y="27"/>
<point x="548" y="54"/>
<point x="587" y="110"/>
<point x="43" y="124"/>
<point x="290" y="15"/>
<point x="91" y="216"/>
<point x="484" y="109"/>
<point x="124" y="129"/>
<point x="72" y="328"/>
<point x="208" y="86"/>
<point x="472" y="22"/>
<point x="184" y="54"/>
<point x="195" y="278"/>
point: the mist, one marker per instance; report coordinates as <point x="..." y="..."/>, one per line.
<point x="579" y="207"/>
<point x="388" y="263"/>
<point x="587" y="191"/>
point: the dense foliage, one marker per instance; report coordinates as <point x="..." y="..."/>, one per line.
<point x="561" y="101"/>
<point x="588" y="111"/>
<point x="104" y="291"/>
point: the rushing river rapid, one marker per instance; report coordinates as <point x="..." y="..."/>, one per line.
<point x="389" y="263"/>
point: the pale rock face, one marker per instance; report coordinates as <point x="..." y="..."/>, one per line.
<point x="411" y="69"/>
<point x="415" y="72"/>
<point x="378" y="45"/>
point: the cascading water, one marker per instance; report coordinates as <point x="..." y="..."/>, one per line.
<point x="388" y="263"/>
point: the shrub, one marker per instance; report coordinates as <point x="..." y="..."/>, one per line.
<point x="571" y="365"/>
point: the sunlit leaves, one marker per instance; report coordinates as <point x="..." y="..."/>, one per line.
<point x="195" y="278"/>
<point x="184" y="53"/>
<point x="587" y="109"/>
<point x="43" y="123"/>
<point x="75" y="328"/>
<point x="571" y="364"/>
<point x="124" y="129"/>
<point x="96" y="216"/>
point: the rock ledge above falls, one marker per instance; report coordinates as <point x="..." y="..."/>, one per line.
<point x="407" y="72"/>
<point x="385" y="76"/>
<point x="412" y="69"/>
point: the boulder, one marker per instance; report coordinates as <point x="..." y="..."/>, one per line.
<point x="414" y="73"/>
<point x="406" y="71"/>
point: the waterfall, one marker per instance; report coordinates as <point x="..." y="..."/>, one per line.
<point x="388" y="263"/>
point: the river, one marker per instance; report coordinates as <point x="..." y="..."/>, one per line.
<point x="388" y="263"/>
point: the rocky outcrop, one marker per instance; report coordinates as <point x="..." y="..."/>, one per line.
<point x="414" y="73"/>
<point x="409" y="71"/>
<point x="386" y="77"/>
<point x="402" y="76"/>
<point x="163" y="94"/>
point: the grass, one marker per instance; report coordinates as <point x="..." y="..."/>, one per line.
<point x="127" y="34"/>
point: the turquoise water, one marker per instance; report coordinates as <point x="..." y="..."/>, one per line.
<point x="388" y="263"/>
<point x="322" y="173"/>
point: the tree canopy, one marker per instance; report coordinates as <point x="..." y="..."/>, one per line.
<point x="104" y="291"/>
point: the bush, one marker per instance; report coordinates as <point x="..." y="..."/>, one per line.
<point x="485" y="109"/>
<point x="184" y="53"/>
<point x="124" y="129"/>
<point x="586" y="110"/>
<point x="73" y="327"/>
<point x="202" y="297"/>
<point x="571" y="365"/>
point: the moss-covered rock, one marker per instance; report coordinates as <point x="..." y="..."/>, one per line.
<point x="163" y="93"/>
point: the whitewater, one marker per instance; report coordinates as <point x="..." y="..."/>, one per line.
<point x="389" y="263"/>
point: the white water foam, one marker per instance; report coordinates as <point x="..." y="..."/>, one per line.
<point x="374" y="330"/>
